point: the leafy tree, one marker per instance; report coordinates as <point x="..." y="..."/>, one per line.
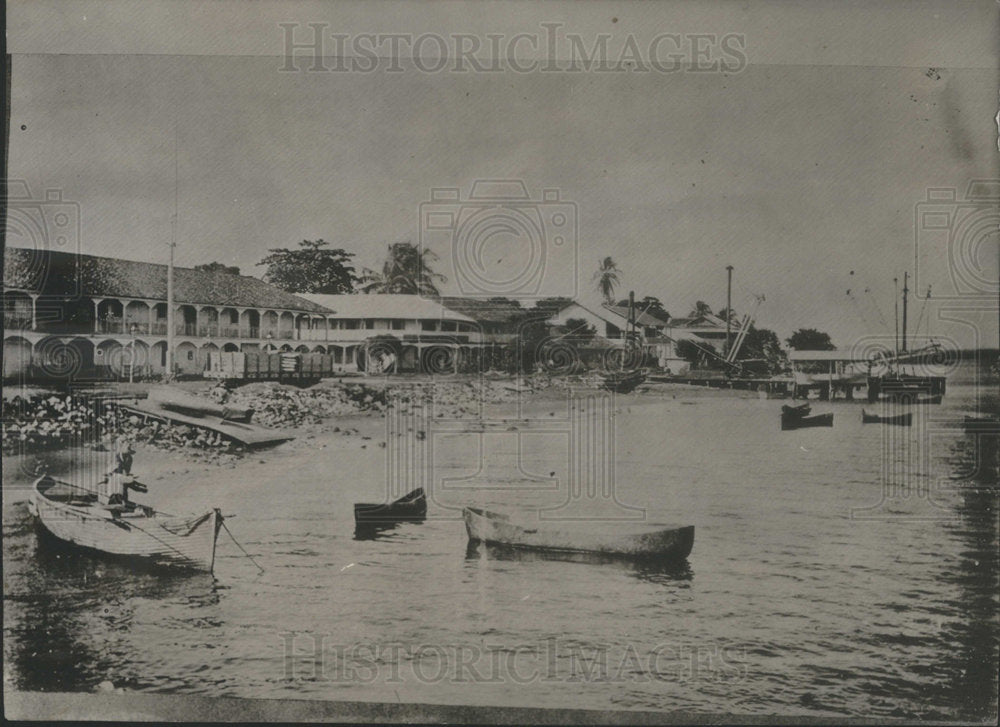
<point x="809" y="339"/>
<point x="649" y="304"/>
<point x="607" y="278"/>
<point x="762" y="343"/>
<point x="406" y="270"/>
<point x="310" y="269"/>
<point x="701" y="308"/>
<point x="216" y="267"/>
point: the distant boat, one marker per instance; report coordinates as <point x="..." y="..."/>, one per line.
<point x="800" y="422"/>
<point x="72" y="514"/>
<point x="795" y="411"/>
<point x="903" y="420"/>
<point x="988" y="425"/>
<point x="412" y="506"/>
<point x="648" y="544"/>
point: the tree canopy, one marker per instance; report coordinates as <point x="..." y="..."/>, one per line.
<point x="406" y="270"/>
<point x="607" y="278"/>
<point x="312" y="268"/>
<point x="217" y="267"/>
<point x="809" y="339"/>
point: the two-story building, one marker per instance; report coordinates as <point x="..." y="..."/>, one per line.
<point x="396" y="333"/>
<point x="84" y="316"/>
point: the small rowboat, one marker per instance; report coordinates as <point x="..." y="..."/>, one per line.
<point x="796" y="411"/>
<point x="902" y="420"/>
<point x="72" y="514"/>
<point x="800" y="422"/>
<point x="987" y="425"/>
<point x="412" y="506"/>
<point x="648" y="544"/>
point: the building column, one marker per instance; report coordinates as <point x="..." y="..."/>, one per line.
<point x="34" y="312"/>
<point x="97" y="311"/>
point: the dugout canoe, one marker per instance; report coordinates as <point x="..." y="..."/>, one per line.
<point x="412" y="506"/>
<point x="902" y="420"/>
<point x="800" y="422"/>
<point x="649" y="543"/>
<point x="72" y="514"/>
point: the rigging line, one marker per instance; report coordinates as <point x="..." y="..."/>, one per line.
<point x="226" y="528"/>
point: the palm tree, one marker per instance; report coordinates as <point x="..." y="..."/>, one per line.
<point x="607" y="278"/>
<point x="406" y="270"/>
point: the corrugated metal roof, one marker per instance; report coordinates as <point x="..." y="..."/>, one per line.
<point x="386" y="305"/>
<point x="828" y="356"/>
<point x="62" y="273"/>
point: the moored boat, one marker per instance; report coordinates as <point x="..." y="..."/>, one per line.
<point x="796" y="411"/>
<point x="801" y="422"/>
<point x="412" y="506"/>
<point x="73" y="514"/>
<point x="903" y="420"/>
<point x="987" y="425"/>
<point x="650" y="543"/>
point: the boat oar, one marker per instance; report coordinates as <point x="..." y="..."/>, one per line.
<point x="226" y="528"/>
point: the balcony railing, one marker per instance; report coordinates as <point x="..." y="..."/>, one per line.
<point x="186" y="329"/>
<point x="18" y="322"/>
<point x="110" y="325"/>
<point x="250" y="333"/>
<point x="159" y="328"/>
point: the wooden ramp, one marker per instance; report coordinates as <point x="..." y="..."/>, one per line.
<point x="249" y="435"/>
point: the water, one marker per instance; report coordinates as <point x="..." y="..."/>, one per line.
<point x="846" y="572"/>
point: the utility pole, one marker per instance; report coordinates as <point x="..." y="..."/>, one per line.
<point x="729" y="305"/>
<point x="170" y="274"/>
<point x="906" y="277"/>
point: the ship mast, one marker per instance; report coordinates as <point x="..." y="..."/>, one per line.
<point x="906" y="290"/>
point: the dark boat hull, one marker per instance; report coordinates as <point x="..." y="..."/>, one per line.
<point x="820" y="420"/>
<point x="412" y="506"/>
<point x="902" y="420"/>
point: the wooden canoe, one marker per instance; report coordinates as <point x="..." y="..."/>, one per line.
<point x="72" y="514"/>
<point x="799" y="422"/>
<point x="902" y="420"/>
<point x="796" y="411"/>
<point x="412" y="506"/>
<point x="988" y="425"/>
<point x="648" y="544"/>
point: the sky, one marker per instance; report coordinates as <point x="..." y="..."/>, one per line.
<point x="805" y="171"/>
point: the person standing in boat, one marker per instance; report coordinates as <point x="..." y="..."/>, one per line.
<point x="113" y="488"/>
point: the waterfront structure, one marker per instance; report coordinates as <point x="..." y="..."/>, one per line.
<point x="74" y="316"/>
<point x="397" y="333"/>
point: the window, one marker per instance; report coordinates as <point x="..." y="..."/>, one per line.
<point x="428" y="325"/>
<point x="369" y="324"/>
<point x="190" y="355"/>
<point x="351" y="323"/>
<point x="448" y="326"/>
<point x="398" y="324"/>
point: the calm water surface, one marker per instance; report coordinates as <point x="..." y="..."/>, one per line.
<point x="844" y="571"/>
